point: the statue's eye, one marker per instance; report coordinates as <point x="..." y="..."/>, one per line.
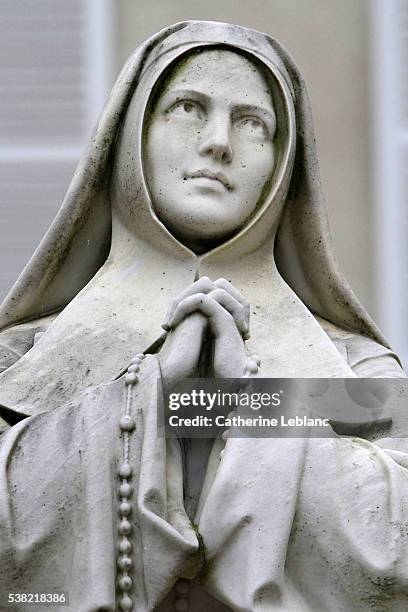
<point x="252" y="128"/>
<point x="187" y="108"/>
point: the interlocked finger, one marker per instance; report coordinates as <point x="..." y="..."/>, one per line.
<point x="203" y="285"/>
<point x="233" y="306"/>
<point x="223" y="283"/>
<point x="219" y="318"/>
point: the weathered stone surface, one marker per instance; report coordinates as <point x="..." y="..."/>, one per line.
<point x="194" y="231"/>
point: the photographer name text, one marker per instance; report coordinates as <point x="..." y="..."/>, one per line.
<point x="247" y="421"/>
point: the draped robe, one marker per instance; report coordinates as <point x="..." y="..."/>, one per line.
<point x="311" y="524"/>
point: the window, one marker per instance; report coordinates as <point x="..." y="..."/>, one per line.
<point x="390" y="167"/>
<point x="56" y="70"/>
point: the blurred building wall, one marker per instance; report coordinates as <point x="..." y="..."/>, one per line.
<point x="329" y="41"/>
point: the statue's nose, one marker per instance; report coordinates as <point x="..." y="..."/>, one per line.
<point x="217" y="140"/>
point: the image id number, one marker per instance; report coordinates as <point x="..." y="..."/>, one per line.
<point x="38" y="598"/>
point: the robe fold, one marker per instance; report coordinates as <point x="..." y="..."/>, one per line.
<point x="282" y="524"/>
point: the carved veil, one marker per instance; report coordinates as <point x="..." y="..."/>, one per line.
<point x="102" y="324"/>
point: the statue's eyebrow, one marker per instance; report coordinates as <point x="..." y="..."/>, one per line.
<point x="237" y="108"/>
<point x="173" y="95"/>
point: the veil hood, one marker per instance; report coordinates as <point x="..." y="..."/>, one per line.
<point x="112" y="304"/>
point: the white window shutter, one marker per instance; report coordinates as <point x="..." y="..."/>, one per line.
<point x="390" y="167"/>
<point x="56" y="70"/>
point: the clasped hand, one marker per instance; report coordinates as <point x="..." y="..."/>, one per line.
<point x="206" y="306"/>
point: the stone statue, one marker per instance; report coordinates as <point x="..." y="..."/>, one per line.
<point x="196" y="216"/>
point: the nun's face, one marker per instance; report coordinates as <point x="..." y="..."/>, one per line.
<point x="210" y="146"/>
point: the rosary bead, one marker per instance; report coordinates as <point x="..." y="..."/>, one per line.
<point x="182" y="587"/>
<point x="222" y="454"/>
<point x="125" y="582"/>
<point x="125" y="563"/>
<point x="125" y="546"/>
<point x="180" y="605"/>
<point x="125" y="490"/>
<point x="125" y="508"/>
<point x="131" y="379"/>
<point x="125" y="470"/>
<point x="257" y="359"/>
<point x="126" y="423"/>
<point x="125" y="602"/>
<point x="125" y="527"/>
<point x="133" y="369"/>
<point x="251" y="366"/>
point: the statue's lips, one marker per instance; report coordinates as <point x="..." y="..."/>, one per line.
<point x="212" y="176"/>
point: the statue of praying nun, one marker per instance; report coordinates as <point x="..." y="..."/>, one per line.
<point x="196" y="218"/>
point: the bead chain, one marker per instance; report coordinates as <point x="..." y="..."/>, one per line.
<point x="252" y="366"/>
<point x="127" y="425"/>
<point x="182" y="589"/>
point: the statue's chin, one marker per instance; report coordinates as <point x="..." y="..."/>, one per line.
<point x="199" y="228"/>
<point x="198" y="236"/>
